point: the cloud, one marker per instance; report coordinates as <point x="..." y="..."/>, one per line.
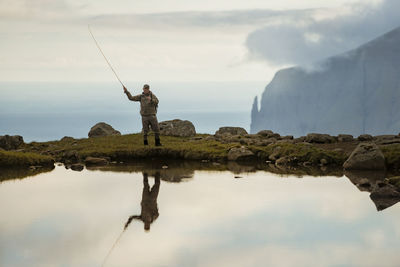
<point x="195" y="19"/>
<point x="37" y="9"/>
<point x="308" y="39"/>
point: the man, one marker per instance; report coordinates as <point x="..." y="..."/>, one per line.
<point x="148" y="110"/>
<point x="149" y="211"/>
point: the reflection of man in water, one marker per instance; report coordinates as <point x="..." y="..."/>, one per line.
<point x="149" y="202"/>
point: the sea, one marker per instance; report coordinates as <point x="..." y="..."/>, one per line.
<point x="45" y="111"/>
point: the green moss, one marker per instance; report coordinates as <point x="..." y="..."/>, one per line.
<point x="11" y="158"/>
<point x="131" y="146"/>
<point x="392" y="155"/>
<point x="300" y="153"/>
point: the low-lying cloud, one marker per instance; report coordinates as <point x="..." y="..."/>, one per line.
<point x="309" y="40"/>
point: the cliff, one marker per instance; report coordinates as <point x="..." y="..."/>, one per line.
<point x="357" y="92"/>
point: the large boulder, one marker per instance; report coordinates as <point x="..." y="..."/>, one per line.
<point x="177" y="128"/>
<point x="366" y="156"/>
<point x="8" y="142"/>
<point x="102" y="129"/>
<point x="231" y="131"/>
<point x="240" y="154"/>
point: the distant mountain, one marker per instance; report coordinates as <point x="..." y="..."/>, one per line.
<point x="355" y="93"/>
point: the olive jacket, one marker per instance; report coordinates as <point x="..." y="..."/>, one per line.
<point x="147" y="107"/>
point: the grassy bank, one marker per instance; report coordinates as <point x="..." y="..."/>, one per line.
<point x="24" y="159"/>
<point x="130" y="147"/>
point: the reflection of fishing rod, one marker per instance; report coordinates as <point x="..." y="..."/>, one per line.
<point x="112" y="248"/>
<point x="116" y="241"/>
<point x="105" y="56"/>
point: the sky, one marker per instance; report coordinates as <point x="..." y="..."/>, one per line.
<point x="175" y="40"/>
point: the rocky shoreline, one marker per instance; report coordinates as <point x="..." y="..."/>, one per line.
<point x="372" y="163"/>
<point x="365" y="152"/>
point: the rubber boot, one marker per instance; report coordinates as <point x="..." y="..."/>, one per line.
<point x="158" y="143"/>
<point x="145" y="142"/>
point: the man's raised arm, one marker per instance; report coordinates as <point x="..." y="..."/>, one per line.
<point x="130" y="97"/>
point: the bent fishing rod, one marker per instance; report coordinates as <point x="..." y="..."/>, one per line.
<point x="101" y="51"/>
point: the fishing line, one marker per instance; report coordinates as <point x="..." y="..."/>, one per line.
<point x="101" y="51"/>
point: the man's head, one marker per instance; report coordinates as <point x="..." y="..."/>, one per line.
<point x="146" y="88"/>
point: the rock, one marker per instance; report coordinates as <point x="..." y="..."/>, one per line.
<point x="386" y="139"/>
<point x="176" y="175"/>
<point x="240" y="154"/>
<point x="307" y="164"/>
<point x="282" y="161"/>
<point x="238" y="168"/>
<point x="92" y="161"/>
<point x="210" y="138"/>
<point x="177" y="128"/>
<point x="319" y="138"/>
<point x="339" y="150"/>
<point x="231" y="131"/>
<point x="365" y="137"/>
<point x="385" y="197"/>
<point x="287" y="141"/>
<point x="366" y="156"/>
<point x="269" y="141"/>
<point x="275" y="155"/>
<point x="287" y="137"/>
<point x="323" y="161"/>
<point x="8" y="142"/>
<point x="35" y="167"/>
<point x="67" y="139"/>
<point x="70" y="157"/>
<point x="77" y="167"/>
<point x="268" y="134"/>
<point x="247" y="142"/>
<point x="365" y="180"/>
<point x="102" y="129"/>
<point x="301" y="139"/>
<point x="345" y="138"/>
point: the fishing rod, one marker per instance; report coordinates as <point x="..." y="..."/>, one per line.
<point x="101" y="51"/>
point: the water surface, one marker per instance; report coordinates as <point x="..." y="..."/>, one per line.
<point x="204" y="218"/>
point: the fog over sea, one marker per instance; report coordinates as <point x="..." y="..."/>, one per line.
<point x="44" y="111"/>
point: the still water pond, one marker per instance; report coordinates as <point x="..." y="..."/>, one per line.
<point x="200" y="218"/>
